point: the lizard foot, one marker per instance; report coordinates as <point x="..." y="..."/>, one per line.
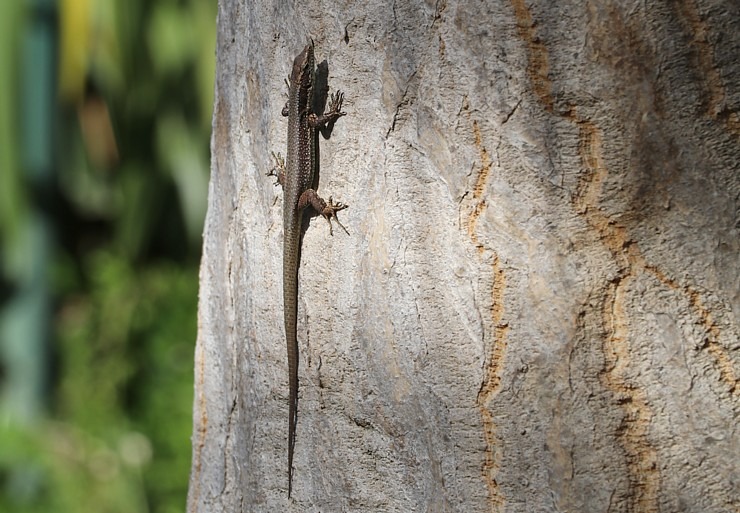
<point x="325" y="122"/>
<point x="330" y="211"/>
<point x="279" y="170"/>
<point x="335" y="104"/>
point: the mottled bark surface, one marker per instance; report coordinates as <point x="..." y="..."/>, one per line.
<point x="537" y="307"/>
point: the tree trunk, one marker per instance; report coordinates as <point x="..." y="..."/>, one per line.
<point x="537" y="307"/>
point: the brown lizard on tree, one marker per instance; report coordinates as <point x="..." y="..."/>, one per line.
<point x="297" y="174"/>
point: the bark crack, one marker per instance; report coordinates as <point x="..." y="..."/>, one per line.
<point x="538" y="67"/>
<point x="641" y="456"/>
<point x="405" y="100"/>
<point x="492" y="384"/>
<point x="712" y="341"/>
<point x="494" y="338"/>
<point x="628" y="254"/>
<point x="481" y="181"/>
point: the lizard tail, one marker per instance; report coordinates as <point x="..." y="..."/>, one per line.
<point x="290" y="311"/>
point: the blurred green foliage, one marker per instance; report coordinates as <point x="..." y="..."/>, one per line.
<point x="125" y="207"/>
<point x="12" y="206"/>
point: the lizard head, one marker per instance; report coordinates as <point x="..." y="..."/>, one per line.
<point x="304" y="64"/>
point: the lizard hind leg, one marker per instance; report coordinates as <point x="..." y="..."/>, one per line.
<point x="327" y="210"/>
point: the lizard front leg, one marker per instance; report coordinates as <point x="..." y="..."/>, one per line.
<point x="325" y="122"/>
<point x="278" y="171"/>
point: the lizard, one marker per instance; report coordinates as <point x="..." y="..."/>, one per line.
<point x="297" y="175"/>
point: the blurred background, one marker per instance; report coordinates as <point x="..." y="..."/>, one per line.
<point x="105" y="115"/>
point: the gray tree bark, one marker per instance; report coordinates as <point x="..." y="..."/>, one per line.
<point x="537" y="307"/>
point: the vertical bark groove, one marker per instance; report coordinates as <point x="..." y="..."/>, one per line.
<point x="492" y="384"/>
<point x="537" y="61"/>
<point x="641" y="456"/>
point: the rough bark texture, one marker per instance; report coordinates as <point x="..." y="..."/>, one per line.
<point x="537" y="308"/>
